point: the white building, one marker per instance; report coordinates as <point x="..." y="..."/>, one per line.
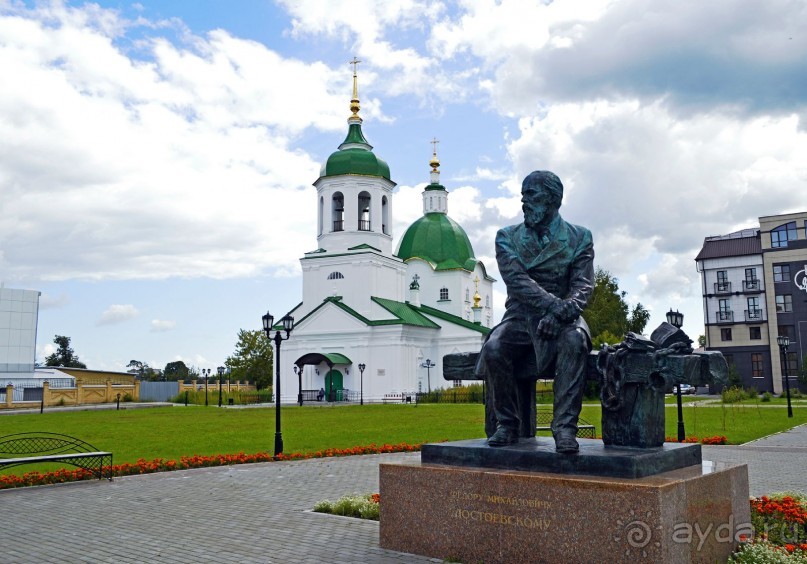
<point x="365" y="305"/>
<point x="19" y="312"/>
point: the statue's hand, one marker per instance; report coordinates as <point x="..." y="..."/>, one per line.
<point x="566" y="311"/>
<point x="549" y="327"/>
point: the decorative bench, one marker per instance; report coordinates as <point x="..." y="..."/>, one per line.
<point x="53" y="447"/>
<point x="398" y="397"/>
<point x="543" y="417"/>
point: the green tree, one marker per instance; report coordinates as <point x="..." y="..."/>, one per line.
<point x="64" y="355"/>
<point x="609" y="313"/>
<point x="701" y="341"/>
<point x="176" y="370"/>
<point x="143" y="370"/>
<point x="252" y="359"/>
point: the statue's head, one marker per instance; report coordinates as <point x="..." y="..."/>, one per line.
<point x="541" y="195"/>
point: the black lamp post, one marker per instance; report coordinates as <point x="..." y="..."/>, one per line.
<point x="677" y="319"/>
<point x="288" y="325"/>
<point x="299" y="371"/>
<point x="206" y="374"/>
<point x="220" y="370"/>
<point x="784" y="342"/>
<point x="428" y="365"/>
<point x="362" y="366"/>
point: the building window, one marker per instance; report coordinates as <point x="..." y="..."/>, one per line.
<point x="781" y="273"/>
<point x="457" y="383"/>
<point x="467" y="295"/>
<point x="782" y="234"/>
<point x="725" y="313"/>
<point x="755" y="333"/>
<point x="792" y="364"/>
<point x="756" y="365"/>
<point x="754" y="312"/>
<point x="784" y="303"/>
<point x="751" y="281"/>
<point x="443" y="293"/>
<point x="788" y="331"/>
<point x="338" y="211"/>
<point x="487" y="301"/>
<point x="725" y="334"/>
<point x="723" y="284"/>
<point x="336" y="276"/>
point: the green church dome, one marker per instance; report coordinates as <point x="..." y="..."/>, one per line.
<point x="440" y="240"/>
<point x="355" y="161"/>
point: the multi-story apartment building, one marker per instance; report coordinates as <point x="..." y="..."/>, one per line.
<point x="754" y="285"/>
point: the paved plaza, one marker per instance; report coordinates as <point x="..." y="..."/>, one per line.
<point x="261" y="512"/>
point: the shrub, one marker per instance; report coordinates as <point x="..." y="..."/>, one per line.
<point x="779" y="530"/>
<point x="766" y="397"/>
<point x="733" y="394"/>
<point x="360" y="506"/>
<point x="127" y="397"/>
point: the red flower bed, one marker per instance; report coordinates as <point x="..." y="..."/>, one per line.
<point x="715" y="440"/>
<point x="143" y="466"/>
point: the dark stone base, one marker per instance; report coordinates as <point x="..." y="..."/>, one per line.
<point x="538" y="454"/>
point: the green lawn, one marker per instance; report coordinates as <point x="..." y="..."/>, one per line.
<point x="176" y="431"/>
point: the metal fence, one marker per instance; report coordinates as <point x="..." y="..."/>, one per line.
<point x="158" y="391"/>
<point x="452" y="395"/>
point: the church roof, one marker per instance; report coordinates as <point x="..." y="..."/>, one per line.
<point x="355" y="160"/>
<point x="439" y="240"/>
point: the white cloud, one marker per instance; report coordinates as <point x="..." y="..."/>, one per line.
<point x="162" y="325"/>
<point x="47" y="301"/>
<point x="157" y="167"/>
<point x="118" y="313"/>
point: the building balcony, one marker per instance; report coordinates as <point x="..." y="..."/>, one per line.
<point x="724" y="316"/>
<point x="722" y="287"/>
<point x="754" y="315"/>
<point x="364" y="225"/>
<point x="752" y="285"/>
<point x="339" y="225"/>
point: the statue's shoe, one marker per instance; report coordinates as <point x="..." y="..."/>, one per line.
<point x="566" y="445"/>
<point x="502" y="437"/>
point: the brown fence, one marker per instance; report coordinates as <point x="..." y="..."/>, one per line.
<point x="82" y="393"/>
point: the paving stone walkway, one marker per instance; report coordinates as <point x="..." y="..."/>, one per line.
<point x="260" y="512"/>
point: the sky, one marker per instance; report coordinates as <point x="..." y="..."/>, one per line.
<point x="157" y="157"/>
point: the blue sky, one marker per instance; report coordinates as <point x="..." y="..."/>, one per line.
<point x="156" y="158"/>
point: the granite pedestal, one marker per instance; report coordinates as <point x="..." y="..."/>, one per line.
<point x="474" y="514"/>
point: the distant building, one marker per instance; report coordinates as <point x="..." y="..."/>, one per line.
<point x="754" y="285"/>
<point x="19" y="312"/>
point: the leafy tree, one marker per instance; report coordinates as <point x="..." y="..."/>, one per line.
<point x="64" y="355"/>
<point x="176" y="370"/>
<point x="606" y="338"/>
<point x="609" y="313"/>
<point x="143" y="370"/>
<point x="253" y="358"/>
<point x="701" y="341"/>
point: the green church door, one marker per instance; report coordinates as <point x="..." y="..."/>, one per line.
<point x="333" y="384"/>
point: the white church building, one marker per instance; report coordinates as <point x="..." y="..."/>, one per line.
<point x="363" y="304"/>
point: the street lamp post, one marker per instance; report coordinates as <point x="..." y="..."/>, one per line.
<point x="299" y="371"/>
<point x="784" y="342"/>
<point x="428" y="365"/>
<point x="362" y="366"/>
<point x="206" y="374"/>
<point x="220" y="370"/>
<point x="677" y="319"/>
<point x="288" y="325"/>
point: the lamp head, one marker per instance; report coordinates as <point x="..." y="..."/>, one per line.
<point x="783" y="341"/>
<point x="675" y="318"/>
<point x="220" y="370"/>
<point x="268" y="322"/>
<point x="288" y="323"/>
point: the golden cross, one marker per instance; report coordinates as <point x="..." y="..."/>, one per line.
<point x="434" y="143"/>
<point x="354" y="62"/>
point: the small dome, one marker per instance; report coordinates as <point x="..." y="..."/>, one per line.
<point x="440" y="240"/>
<point x="355" y="161"/>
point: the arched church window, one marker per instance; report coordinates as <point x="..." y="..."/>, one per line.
<point x="443" y="293"/>
<point x="467" y="295"/>
<point x="364" y="211"/>
<point x="338" y="212"/>
<point x="384" y="215"/>
<point x="487" y="301"/>
<point x="336" y="276"/>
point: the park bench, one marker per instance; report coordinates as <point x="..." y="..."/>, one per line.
<point x="398" y="397"/>
<point x="543" y="418"/>
<point x="29" y="448"/>
<point x="311" y="395"/>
